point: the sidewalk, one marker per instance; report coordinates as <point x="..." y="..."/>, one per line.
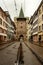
<point x="37" y="50"/>
<point x="2" y="46"/>
<point x="41" y="45"/>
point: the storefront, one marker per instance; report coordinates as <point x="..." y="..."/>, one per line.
<point x="35" y="38"/>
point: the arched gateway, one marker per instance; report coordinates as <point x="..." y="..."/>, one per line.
<point x="21" y="36"/>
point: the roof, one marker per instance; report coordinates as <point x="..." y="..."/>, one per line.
<point x="21" y="15"/>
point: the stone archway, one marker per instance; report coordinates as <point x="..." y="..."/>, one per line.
<point x="21" y="36"/>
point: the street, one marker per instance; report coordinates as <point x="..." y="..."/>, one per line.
<point x="8" y="55"/>
<point x="21" y="32"/>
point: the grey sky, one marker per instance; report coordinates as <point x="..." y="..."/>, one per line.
<point x="29" y="7"/>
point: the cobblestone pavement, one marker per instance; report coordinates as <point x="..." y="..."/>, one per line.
<point x="9" y="55"/>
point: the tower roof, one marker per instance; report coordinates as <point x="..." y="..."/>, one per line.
<point x="21" y="15"/>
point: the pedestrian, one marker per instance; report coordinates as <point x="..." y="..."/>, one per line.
<point x="21" y="40"/>
<point x="39" y="40"/>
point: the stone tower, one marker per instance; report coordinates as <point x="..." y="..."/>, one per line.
<point x="21" y="26"/>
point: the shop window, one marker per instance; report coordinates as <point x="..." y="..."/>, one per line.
<point x="0" y="21"/>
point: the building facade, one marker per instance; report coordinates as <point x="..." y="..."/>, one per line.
<point x="37" y="23"/>
<point x="35" y="27"/>
<point x="6" y="26"/>
<point x="40" y="21"/>
<point x="10" y="27"/>
<point x="3" y="29"/>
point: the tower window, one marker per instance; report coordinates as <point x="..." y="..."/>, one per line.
<point x="21" y="27"/>
<point x="21" y="23"/>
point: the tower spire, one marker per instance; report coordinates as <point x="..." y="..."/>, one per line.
<point x="21" y="15"/>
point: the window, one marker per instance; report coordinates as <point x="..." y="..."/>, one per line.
<point x="39" y="11"/>
<point x="42" y="7"/>
<point x="4" y="31"/>
<point x="39" y="28"/>
<point x="36" y="22"/>
<point x="14" y="32"/>
<point x="4" y="24"/>
<point x="21" y="22"/>
<point x="42" y="26"/>
<point x="0" y="30"/>
<point x="21" y="27"/>
<point x="42" y="17"/>
<point x="35" y="30"/>
<point x="0" y="21"/>
<point x="0" y="13"/>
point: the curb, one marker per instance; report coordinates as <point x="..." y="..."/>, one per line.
<point x="37" y="44"/>
<point x="37" y="56"/>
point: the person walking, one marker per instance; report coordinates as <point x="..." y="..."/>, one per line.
<point x="21" y="40"/>
<point x="39" y="40"/>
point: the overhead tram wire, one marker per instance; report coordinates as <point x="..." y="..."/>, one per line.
<point x="24" y="7"/>
<point x="15" y="7"/>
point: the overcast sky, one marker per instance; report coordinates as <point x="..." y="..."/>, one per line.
<point x="29" y="7"/>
